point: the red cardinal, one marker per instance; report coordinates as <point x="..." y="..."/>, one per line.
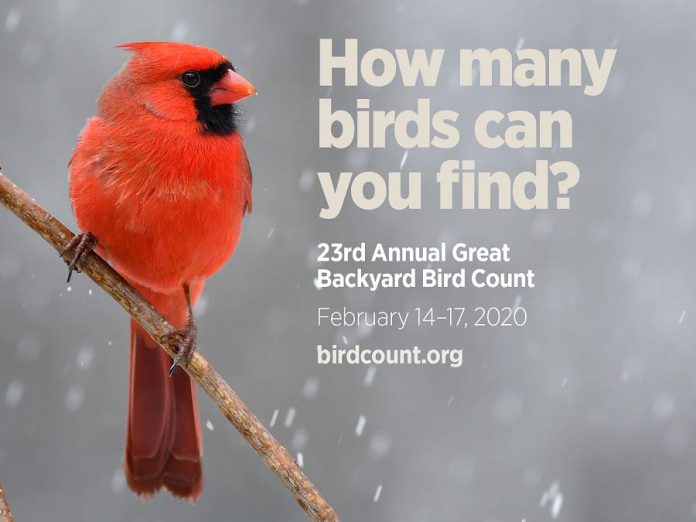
<point x="159" y="183"/>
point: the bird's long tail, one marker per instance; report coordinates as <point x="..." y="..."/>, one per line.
<point x="163" y="439"/>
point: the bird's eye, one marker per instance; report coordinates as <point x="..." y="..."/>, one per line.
<point x="191" y="79"/>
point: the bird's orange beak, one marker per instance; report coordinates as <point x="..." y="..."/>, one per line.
<point x="231" y="88"/>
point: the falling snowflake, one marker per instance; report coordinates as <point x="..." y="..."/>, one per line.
<point x="290" y="417"/>
<point x="14" y="16"/>
<point x="379" y="445"/>
<point x="74" y="398"/>
<point x="310" y="388"/>
<point x="378" y="493"/>
<point x="370" y="376"/>
<point x="118" y="480"/>
<point x="520" y="43"/>
<point x="180" y="31"/>
<point x="360" y="426"/>
<point x="403" y="159"/>
<point x="85" y="356"/>
<point x="307" y="180"/>
<point x="14" y="393"/>
<point x="553" y="498"/>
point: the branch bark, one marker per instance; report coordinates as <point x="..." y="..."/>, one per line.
<point x="5" y="514"/>
<point x="275" y="456"/>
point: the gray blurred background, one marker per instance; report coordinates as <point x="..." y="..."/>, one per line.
<point x="592" y="400"/>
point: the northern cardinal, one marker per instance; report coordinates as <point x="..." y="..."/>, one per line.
<point x="159" y="184"/>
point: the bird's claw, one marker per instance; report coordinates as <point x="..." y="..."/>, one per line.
<point x="184" y="341"/>
<point x="83" y="244"/>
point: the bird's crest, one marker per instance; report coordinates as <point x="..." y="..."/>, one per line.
<point x="168" y="54"/>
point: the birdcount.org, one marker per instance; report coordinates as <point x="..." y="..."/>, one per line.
<point x="357" y="355"/>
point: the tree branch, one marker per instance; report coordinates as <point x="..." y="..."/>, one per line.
<point x="275" y="456"/>
<point x="5" y="514"/>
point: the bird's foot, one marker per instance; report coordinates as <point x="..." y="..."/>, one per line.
<point x="83" y="244"/>
<point x="184" y="340"/>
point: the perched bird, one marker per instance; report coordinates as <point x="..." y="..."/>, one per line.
<point x="159" y="184"/>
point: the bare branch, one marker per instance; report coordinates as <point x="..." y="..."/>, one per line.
<point x="5" y="514"/>
<point x="275" y="456"/>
